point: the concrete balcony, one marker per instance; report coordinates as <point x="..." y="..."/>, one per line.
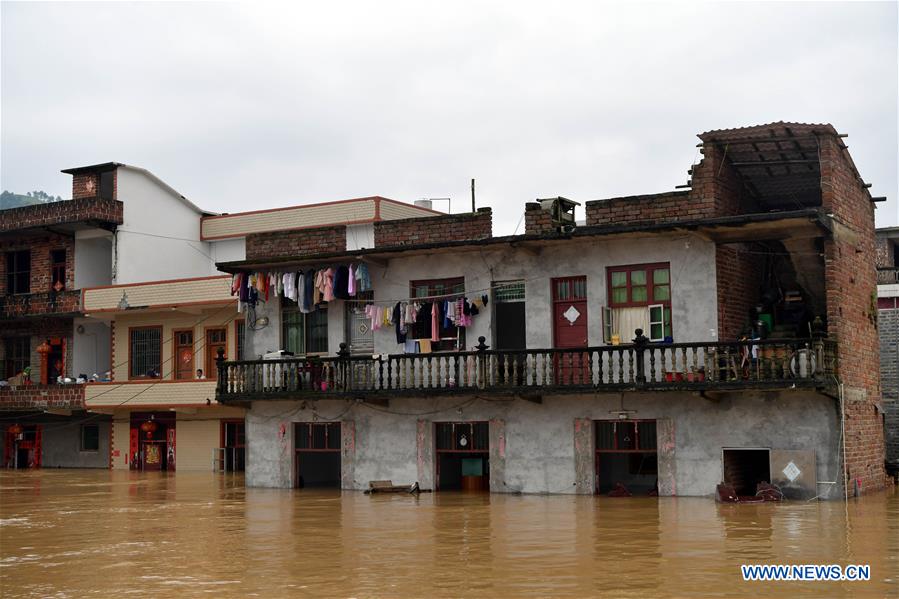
<point x="149" y="394"/>
<point x="888" y="276"/>
<point x="700" y="367"/>
<point x="41" y="397"/>
<point x="48" y="303"/>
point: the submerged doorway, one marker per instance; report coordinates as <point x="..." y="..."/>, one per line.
<point x="234" y="443"/>
<point x="744" y="469"/>
<point x="317" y="463"/>
<point x="463" y="456"/>
<point x="626" y="455"/>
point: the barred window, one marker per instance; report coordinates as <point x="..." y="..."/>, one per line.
<point x="18" y="272"/>
<point x="304" y="333"/>
<point x="145" y="357"/>
<point x="18" y="355"/>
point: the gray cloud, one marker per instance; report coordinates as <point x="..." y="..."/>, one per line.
<point x="242" y="106"/>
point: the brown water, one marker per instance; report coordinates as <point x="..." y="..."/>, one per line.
<point x="78" y="533"/>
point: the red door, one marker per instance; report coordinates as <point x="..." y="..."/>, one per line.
<point x="570" y="330"/>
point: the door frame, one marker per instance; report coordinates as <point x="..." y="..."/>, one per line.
<point x="193" y="355"/>
<point x="210" y="356"/>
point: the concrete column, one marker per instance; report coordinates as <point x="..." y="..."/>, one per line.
<point x="347" y="454"/>
<point x="584" y="457"/>
<point x="666" y="457"/>
<point x="425" y="446"/>
<point x="497" y="456"/>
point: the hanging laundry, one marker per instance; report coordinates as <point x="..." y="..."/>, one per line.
<point x="287" y="283"/>
<point x="424" y="346"/>
<point x="351" y="283"/>
<point x="424" y="316"/>
<point x="411" y="346"/>
<point x="397" y="318"/>
<point x="308" y="292"/>
<point x="341" y="283"/>
<point x="363" y="277"/>
<point x="435" y="321"/>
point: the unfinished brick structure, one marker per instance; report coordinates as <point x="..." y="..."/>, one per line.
<point x="300" y="242"/>
<point x="437" y="229"/>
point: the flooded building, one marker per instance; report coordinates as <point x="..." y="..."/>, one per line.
<point x="888" y="328"/>
<point x="723" y="332"/>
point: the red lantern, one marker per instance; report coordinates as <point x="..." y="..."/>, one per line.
<point x="15" y="429"/>
<point x="149" y="427"/>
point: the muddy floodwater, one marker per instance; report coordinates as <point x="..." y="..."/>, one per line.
<point x="69" y="533"/>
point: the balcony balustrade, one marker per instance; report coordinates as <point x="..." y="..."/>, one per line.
<point x="888" y="276"/>
<point x="765" y="364"/>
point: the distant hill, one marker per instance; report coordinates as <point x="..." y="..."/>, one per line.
<point x="9" y="199"/>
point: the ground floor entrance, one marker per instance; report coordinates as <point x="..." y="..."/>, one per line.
<point x="152" y="441"/>
<point x="22" y="447"/>
<point x="317" y="455"/>
<point x="626" y="457"/>
<point x="233" y="445"/>
<point x="463" y="456"/>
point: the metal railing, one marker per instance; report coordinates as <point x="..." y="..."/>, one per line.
<point x="769" y="363"/>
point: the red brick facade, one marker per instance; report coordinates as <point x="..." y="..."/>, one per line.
<point x="108" y="212"/>
<point x="42" y="397"/>
<point x="716" y="191"/>
<point x="435" y="229"/>
<point x="537" y="221"/>
<point x="87" y="185"/>
<point x="42" y="298"/>
<point x="40" y="304"/>
<point x="851" y="284"/>
<point x="302" y="242"/>
<point x="739" y="276"/>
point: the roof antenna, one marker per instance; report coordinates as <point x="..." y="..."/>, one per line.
<point x="472" y="196"/>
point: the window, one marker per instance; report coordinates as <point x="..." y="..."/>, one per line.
<point x="18" y="355"/>
<point x="90" y="437"/>
<point x="58" y="270"/>
<point x="451" y="337"/>
<point x="639" y="298"/>
<point x="18" y="272"/>
<point x="145" y="357"/>
<point x="239" y="335"/>
<point x="304" y="333"/>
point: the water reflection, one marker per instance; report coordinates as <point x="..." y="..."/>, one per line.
<point x="72" y="533"/>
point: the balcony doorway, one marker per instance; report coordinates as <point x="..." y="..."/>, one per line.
<point x="317" y="451"/>
<point x="626" y="458"/>
<point x="463" y="456"/>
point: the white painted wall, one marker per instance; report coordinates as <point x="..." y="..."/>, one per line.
<point x="90" y="353"/>
<point x="93" y="258"/>
<point x="159" y="238"/>
<point x="228" y="250"/>
<point x="693" y="287"/>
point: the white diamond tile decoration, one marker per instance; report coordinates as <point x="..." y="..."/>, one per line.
<point x="792" y="471"/>
<point x="571" y="314"/>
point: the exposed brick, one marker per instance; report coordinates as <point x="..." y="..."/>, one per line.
<point x="435" y="229"/>
<point x="41" y="397"/>
<point x="301" y="242"/>
<point x="56" y="213"/>
<point x="739" y="276"/>
<point x="537" y="221"/>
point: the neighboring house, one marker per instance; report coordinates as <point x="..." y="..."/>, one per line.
<point x="752" y="288"/>
<point x="166" y="332"/>
<point x="888" y="328"/>
<point x="120" y="282"/>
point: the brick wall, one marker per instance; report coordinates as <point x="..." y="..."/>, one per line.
<point x="40" y="247"/>
<point x="435" y="229"/>
<point x="537" y="220"/>
<point x="301" y="242"/>
<point x="42" y="397"/>
<point x="851" y="292"/>
<point x="39" y="304"/>
<point x="56" y="213"/>
<point x="716" y="190"/>
<point x="888" y="327"/>
<point x="739" y="277"/>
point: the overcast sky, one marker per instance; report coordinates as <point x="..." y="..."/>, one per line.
<point x="247" y="106"/>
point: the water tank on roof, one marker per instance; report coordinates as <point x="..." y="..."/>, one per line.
<point x="424" y="204"/>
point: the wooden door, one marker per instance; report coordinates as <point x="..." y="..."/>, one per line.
<point x="569" y="296"/>
<point x="152" y="457"/>
<point x="215" y="339"/>
<point x="184" y="354"/>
